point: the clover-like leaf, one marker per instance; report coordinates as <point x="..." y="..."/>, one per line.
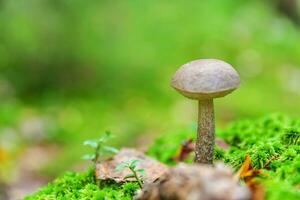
<point x="141" y="171"/>
<point x="110" y="149"/>
<point x="105" y="137"/>
<point x="133" y="163"/>
<point x="91" y="143"/>
<point x="121" y="166"/>
<point x="88" y="157"/>
<point x="129" y="176"/>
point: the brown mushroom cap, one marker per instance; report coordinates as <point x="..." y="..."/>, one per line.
<point x="206" y="79"/>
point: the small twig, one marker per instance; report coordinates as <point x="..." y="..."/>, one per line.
<point x="270" y="160"/>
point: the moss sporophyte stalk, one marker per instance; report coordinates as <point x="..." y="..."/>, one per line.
<point x="271" y="141"/>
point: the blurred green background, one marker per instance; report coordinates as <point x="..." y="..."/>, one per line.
<point x="71" y="69"/>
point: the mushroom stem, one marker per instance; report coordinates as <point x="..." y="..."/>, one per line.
<point x="206" y="132"/>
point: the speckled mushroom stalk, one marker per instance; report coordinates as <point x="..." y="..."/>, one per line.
<point x="206" y="132"/>
<point x="204" y="80"/>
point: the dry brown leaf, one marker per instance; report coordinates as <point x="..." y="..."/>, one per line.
<point x="248" y="174"/>
<point x="107" y="170"/>
<point x="258" y="192"/>
<point x="244" y="168"/>
<point x="186" y="148"/>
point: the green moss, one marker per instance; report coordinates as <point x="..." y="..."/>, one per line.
<point x="82" y="186"/>
<point x="272" y="143"/>
<point x="278" y="190"/>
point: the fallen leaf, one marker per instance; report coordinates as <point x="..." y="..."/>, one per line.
<point x="248" y="174"/>
<point x="258" y="192"/>
<point x="107" y="170"/>
<point x="186" y="148"/>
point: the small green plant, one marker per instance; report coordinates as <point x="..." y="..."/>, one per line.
<point x="135" y="173"/>
<point x="100" y="148"/>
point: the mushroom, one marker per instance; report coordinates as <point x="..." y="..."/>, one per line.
<point x="204" y="80"/>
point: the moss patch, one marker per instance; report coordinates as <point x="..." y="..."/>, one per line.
<point x="273" y="143"/>
<point x="82" y="186"/>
